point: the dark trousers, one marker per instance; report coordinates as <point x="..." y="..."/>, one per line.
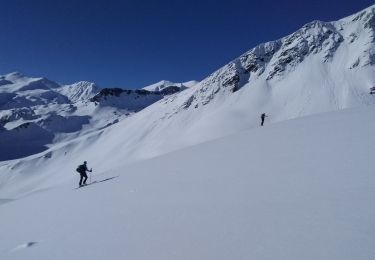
<point x="262" y="122"/>
<point x="83" y="178"/>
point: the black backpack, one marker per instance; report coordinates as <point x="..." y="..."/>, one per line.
<point x="81" y="169"/>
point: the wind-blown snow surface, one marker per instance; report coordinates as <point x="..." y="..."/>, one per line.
<point x="300" y="189"/>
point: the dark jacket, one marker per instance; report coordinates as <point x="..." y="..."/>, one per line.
<point x="82" y="168"/>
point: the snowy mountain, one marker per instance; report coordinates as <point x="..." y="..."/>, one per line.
<point x="324" y="66"/>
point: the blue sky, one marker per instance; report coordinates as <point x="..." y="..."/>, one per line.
<point x="135" y="43"/>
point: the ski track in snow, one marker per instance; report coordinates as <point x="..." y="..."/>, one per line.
<point x="2" y="201"/>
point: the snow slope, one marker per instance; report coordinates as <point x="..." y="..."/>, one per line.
<point x="299" y="189"/>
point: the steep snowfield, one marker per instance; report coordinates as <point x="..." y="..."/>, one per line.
<point x="299" y="189"/>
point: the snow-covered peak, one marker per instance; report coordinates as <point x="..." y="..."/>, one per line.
<point x="352" y="27"/>
<point x="80" y="91"/>
<point x="190" y="83"/>
<point x="13" y="76"/>
<point x="163" y="84"/>
<point x="364" y="16"/>
<point x="84" y="84"/>
<point x="158" y="86"/>
<point x="16" y="81"/>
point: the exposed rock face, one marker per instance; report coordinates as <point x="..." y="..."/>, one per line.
<point x="133" y="100"/>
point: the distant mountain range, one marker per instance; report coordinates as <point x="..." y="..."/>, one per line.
<point x="36" y="112"/>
